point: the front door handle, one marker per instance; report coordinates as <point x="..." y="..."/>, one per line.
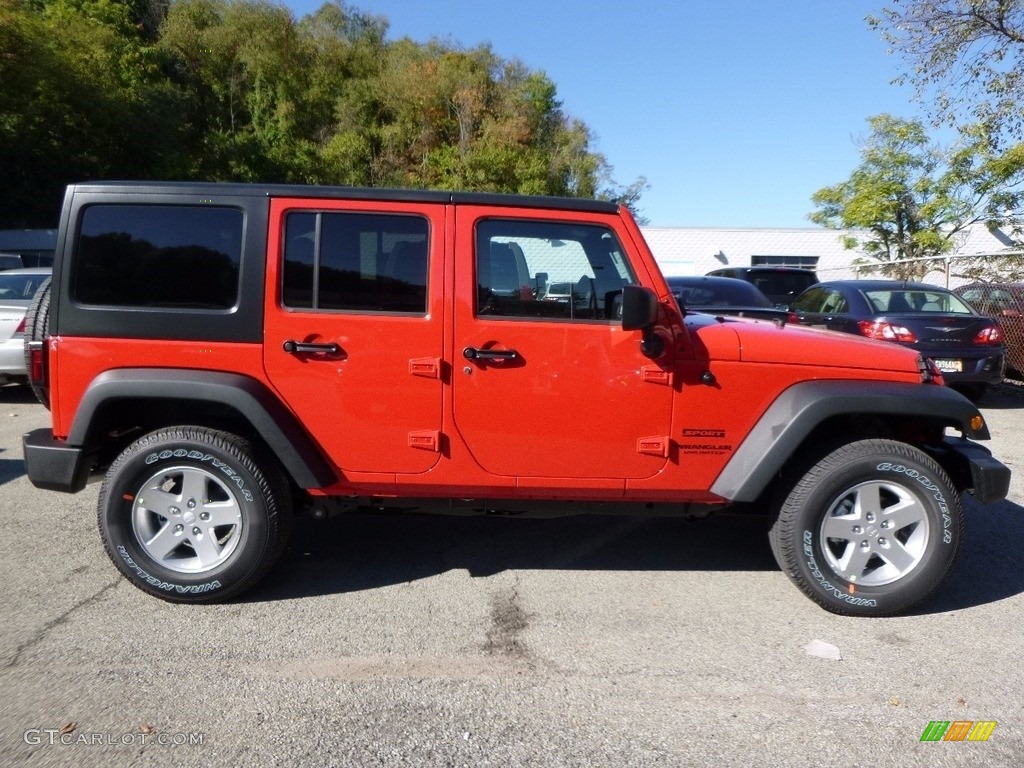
<point x="472" y="353"/>
<point x="301" y="348"/>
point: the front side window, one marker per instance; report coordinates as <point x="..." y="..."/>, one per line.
<point x="159" y="256"/>
<point x="356" y="262"/>
<point x="549" y="270"/>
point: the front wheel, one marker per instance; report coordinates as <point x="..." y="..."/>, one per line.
<point x="191" y="515"/>
<point x="869" y="530"/>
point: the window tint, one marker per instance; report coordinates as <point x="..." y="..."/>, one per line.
<point x="355" y="261"/>
<point x="917" y="301"/>
<point x="178" y="257"/>
<point x="550" y="270"/>
<point x="834" y="303"/>
<point x="810" y="301"/>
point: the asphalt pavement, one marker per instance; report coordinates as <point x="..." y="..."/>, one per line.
<point x="416" y="641"/>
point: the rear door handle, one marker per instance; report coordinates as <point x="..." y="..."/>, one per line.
<point x="306" y="348"/>
<point x="472" y="353"/>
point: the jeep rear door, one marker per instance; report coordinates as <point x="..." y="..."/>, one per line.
<point x="546" y="384"/>
<point x="354" y="318"/>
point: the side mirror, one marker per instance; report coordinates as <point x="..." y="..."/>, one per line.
<point x="639" y="313"/>
<point x="639" y="308"/>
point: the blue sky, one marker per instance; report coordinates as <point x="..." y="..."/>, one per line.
<point x="735" y="111"/>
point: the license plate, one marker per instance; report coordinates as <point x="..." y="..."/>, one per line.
<point x="950" y="366"/>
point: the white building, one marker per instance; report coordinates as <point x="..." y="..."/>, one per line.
<point x="698" y="250"/>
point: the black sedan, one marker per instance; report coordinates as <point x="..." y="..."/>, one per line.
<point x="967" y="347"/>
<point x="724" y="296"/>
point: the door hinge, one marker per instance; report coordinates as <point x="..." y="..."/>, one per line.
<point x="656" y="375"/>
<point x="427" y="367"/>
<point x="426" y="439"/>
<point x="654" y="446"/>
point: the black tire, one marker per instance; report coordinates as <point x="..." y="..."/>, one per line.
<point x="876" y="562"/>
<point x="193" y="515"/>
<point x="37" y="320"/>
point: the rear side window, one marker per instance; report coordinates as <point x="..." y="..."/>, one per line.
<point x="159" y="256"/>
<point x="356" y="262"/>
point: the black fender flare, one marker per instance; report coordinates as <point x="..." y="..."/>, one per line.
<point x="294" y="448"/>
<point x="801" y="408"/>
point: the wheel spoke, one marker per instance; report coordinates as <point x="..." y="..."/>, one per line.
<point x="164" y="542"/>
<point x="193" y="486"/>
<point x="906" y="512"/>
<point x="897" y="556"/>
<point x="223" y="513"/>
<point x="854" y="559"/>
<point x="207" y="549"/>
<point x="157" y="500"/>
<point x="869" y="501"/>
<point x="840" y="526"/>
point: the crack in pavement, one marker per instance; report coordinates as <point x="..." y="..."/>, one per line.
<point x="40" y="634"/>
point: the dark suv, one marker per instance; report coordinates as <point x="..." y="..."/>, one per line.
<point x="226" y="356"/>
<point x="780" y="284"/>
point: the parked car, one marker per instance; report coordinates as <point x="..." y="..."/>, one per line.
<point x="1005" y="303"/>
<point x="723" y="296"/>
<point x="780" y="284"/>
<point x="17" y="287"/>
<point x="966" y="346"/>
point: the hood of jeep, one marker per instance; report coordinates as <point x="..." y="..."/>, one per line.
<point x="760" y="341"/>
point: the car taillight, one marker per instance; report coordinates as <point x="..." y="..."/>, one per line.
<point x="992" y="334"/>
<point x="880" y="329"/>
<point x="21" y="327"/>
<point x="37" y="363"/>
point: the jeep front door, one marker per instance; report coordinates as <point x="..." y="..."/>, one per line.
<point x="546" y="384"/>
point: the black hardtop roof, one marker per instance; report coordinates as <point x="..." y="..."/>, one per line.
<point x="235" y="189"/>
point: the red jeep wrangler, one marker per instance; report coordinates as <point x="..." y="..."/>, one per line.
<point x="233" y="355"/>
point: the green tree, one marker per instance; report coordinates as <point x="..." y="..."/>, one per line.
<point x="82" y="98"/>
<point x="965" y="58"/>
<point x="240" y="90"/>
<point x="909" y="200"/>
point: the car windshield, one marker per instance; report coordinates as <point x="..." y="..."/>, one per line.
<point x="915" y="300"/>
<point x="705" y="294"/>
<point x="19" y="287"/>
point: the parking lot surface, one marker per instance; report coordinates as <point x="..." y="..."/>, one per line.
<point x="415" y="641"/>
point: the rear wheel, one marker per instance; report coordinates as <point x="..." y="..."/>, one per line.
<point x="870" y="529"/>
<point x="193" y="515"/>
